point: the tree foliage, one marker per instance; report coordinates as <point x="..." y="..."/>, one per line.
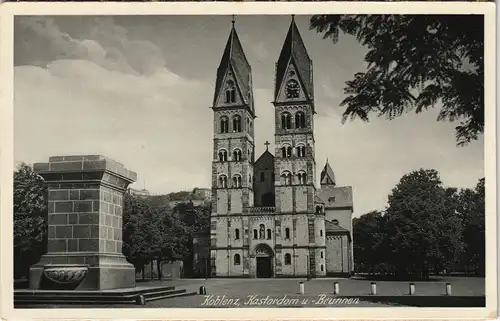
<point x="422" y="227"/>
<point x="471" y="209"/>
<point x="369" y="236"/>
<point x="30" y="219"/>
<point x="425" y="227"/>
<point x="154" y="231"/>
<point x="415" y="62"/>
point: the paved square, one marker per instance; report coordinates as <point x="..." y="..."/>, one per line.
<point x="317" y="293"/>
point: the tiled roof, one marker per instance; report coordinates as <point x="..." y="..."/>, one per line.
<point x="294" y="50"/>
<point x="334" y="228"/>
<point x="334" y="196"/>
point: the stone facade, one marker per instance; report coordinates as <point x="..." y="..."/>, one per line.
<point x="275" y="222"/>
<point x="85" y="199"/>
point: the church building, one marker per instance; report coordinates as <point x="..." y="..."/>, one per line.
<point x="269" y="218"/>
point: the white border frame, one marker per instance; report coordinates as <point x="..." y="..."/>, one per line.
<point x="9" y="10"/>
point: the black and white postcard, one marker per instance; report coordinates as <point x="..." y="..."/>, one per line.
<point x="248" y="161"/>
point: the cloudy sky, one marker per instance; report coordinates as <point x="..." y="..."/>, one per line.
<point x="138" y="90"/>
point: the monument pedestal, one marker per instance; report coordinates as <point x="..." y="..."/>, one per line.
<point x="84" y="263"/>
<point x="85" y="200"/>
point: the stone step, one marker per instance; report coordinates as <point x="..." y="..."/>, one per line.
<point x="95" y="297"/>
<point x="90" y="293"/>
<point x="169" y="296"/>
<point x="160" y="293"/>
<point x="36" y="303"/>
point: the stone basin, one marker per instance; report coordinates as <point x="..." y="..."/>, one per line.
<point x="64" y="276"/>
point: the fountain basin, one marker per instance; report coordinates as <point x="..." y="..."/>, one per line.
<point x="64" y="276"/>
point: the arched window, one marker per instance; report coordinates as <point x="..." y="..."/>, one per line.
<point x="321" y="254"/>
<point x="301" y="151"/>
<point x="255" y="236"/>
<point x="336" y="222"/>
<point x="237" y="181"/>
<point x="288" y="259"/>
<point x="321" y="267"/>
<point x="261" y="231"/>
<point x="268" y="233"/>
<point x="302" y="176"/>
<point x="287" y="233"/>
<point x="230" y="92"/>
<point x="286" y="178"/>
<point x="237" y="154"/>
<point x="321" y="234"/>
<point x="318" y="209"/>
<point x="223" y="181"/>
<point x="237" y="234"/>
<point x="223" y="155"/>
<point x="224" y="125"/>
<point x="300" y="119"/>
<point x="286" y="120"/>
<point x="237" y="259"/>
<point x="286" y="151"/>
<point x="237" y="124"/>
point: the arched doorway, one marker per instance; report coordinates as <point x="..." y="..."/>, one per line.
<point x="264" y="261"/>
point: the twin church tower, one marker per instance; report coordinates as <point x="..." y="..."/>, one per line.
<point x="268" y="217"/>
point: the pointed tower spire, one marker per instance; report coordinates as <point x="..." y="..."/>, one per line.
<point x="235" y="64"/>
<point x="294" y="52"/>
<point x="327" y="176"/>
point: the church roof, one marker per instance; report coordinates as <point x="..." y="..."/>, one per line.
<point x="331" y="227"/>
<point x="234" y="58"/>
<point x="317" y="199"/>
<point x="294" y="50"/>
<point x="327" y="175"/>
<point x="266" y="154"/>
<point x="335" y="197"/>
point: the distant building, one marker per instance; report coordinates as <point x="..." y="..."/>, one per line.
<point x="203" y="193"/>
<point x="139" y="192"/>
<point x="198" y="196"/>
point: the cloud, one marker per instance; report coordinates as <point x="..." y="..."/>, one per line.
<point x="40" y="40"/>
<point x="154" y="124"/>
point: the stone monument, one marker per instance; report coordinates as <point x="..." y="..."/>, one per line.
<point x="85" y="200"/>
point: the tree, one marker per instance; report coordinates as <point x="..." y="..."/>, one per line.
<point x="30" y="219"/>
<point x="139" y="232"/>
<point x="415" y="62"/>
<point x="422" y="229"/>
<point x="369" y="252"/>
<point x="195" y="219"/>
<point x="471" y="208"/>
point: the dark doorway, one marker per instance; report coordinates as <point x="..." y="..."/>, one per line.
<point x="268" y="199"/>
<point x="264" y="267"/>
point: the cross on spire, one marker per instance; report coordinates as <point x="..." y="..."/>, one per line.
<point x="267" y="145"/>
<point x="232" y="21"/>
